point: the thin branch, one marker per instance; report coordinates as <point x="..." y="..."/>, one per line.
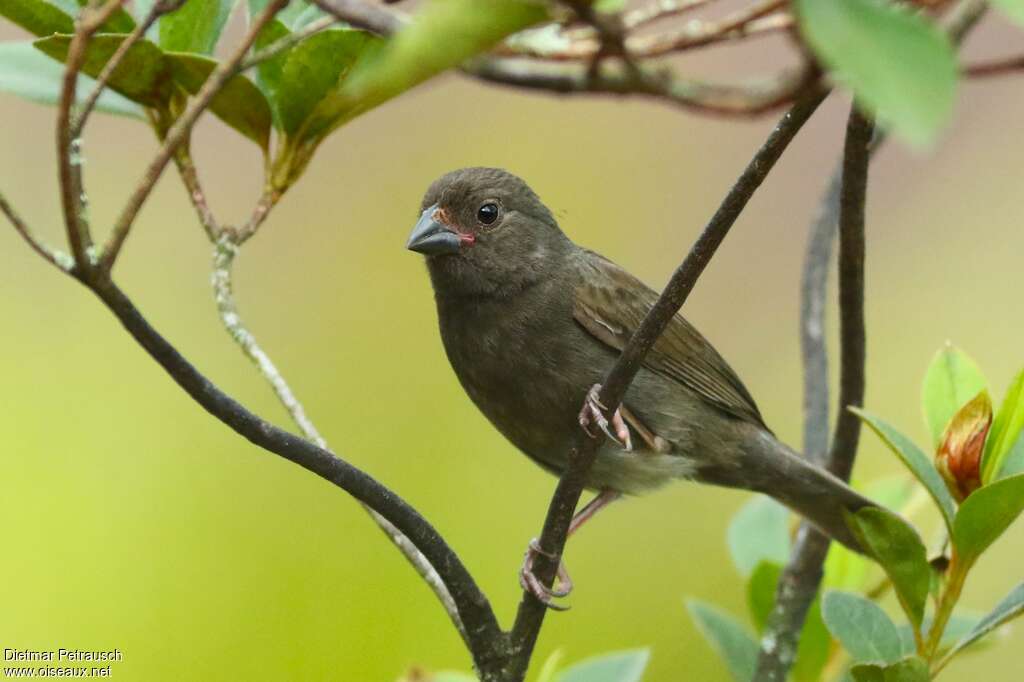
<point x="744" y="23"/>
<point x="287" y="42"/>
<point x="482" y="630"/>
<point x="179" y="130"/>
<point x="750" y="99"/>
<point x="55" y="257"/>
<point x="190" y="178"/>
<point x="260" y="211"/>
<point x="996" y="67"/>
<point x="158" y="9"/>
<point x="226" y="246"/>
<point x="852" y="333"/>
<point x="694" y="35"/>
<point x="224" y="253"/>
<point x="799" y="581"/>
<point x="69" y="146"/>
<point x="570" y="486"/>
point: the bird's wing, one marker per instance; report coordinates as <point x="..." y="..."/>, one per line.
<point x="610" y="304"/>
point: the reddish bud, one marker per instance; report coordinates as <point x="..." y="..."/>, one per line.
<point x="959" y="456"/>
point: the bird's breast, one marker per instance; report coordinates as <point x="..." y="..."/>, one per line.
<point x="523" y="367"/>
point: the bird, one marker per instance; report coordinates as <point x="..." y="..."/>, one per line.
<point x="532" y="322"/>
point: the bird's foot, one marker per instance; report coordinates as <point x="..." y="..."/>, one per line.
<point x="534" y="586"/>
<point x="593" y="412"/>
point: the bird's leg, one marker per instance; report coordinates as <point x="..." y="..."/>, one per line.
<point x="593" y="411"/>
<point x="529" y="581"/>
<point x="653" y="440"/>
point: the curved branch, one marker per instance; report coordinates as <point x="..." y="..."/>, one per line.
<point x="482" y="630"/>
<point x="750" y="99"/>
<point x="570" y="486"/>
<point x="801" y="578"/>
<point x="224" y="254"/>
<point x="62" y="261"/>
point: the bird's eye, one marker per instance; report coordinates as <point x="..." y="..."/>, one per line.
<point x="487" y="213"/>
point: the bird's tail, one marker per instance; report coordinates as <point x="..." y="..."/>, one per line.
<point x="770" y="467"/>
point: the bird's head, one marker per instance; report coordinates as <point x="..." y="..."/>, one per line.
<point x="483" y="230"/>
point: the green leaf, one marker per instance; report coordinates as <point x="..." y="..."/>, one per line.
<point x="985" y="515"/>
<point x="240" y="103"/>
<point x="28" y="73"/>
<point x="898" y="64"/>
<point x="862" y="627"/>
<point x="119" y="22"/>
<point x="758" y="532"/>
<point x="142" y="76"/>
<point x="911" y="669"/>
<point x="951" y="380"/>
<point x="1005" y="431"/>
<point x="1009" y="608"/>
<point x="916" y="461"/>
<point x="728" y="637"/>
<point x="898" y="549"/>
<point x="761" y="592"/>
<point x="37" y="17"/>
<point x="268" y="72"/>
<point x="1014" y="9"/>
<point x="1013" y="463"/>
<point x="313" y="70"/>
<point x="195" y="26"/>
<point x="624" y="666"/>
<point x="444" y="34"/>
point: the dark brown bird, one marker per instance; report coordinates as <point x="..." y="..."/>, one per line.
<point x="529" y="321"/>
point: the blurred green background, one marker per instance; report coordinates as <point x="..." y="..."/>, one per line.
<point x="131" y="519"/>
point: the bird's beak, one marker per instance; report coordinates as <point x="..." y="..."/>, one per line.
<point x="430" y="237"/>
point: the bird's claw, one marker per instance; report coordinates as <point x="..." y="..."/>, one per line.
<point x="593" y="411"/>
<point x="530" y="583"/>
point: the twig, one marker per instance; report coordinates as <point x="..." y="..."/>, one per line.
<point x="55" y="257"/>
<point x="482" y="627"/>
<point x="695" y="35"/>
<point x="801" y="578"/>
<point x="69" y="146"/>
<point x="728" y="100"/>
<point x="158" y="9"/>
<point x="178" y="131"/>
<point x="852" y="334"/>
<point x="224" y="253"/>
<point x="741" y="25"/>
<point x="260" y="211"/>
<point x="996" y="67"/>
<point x="799" y="581"/>
<point x="287" y="42"/>
<point x="552" y="540"/>
<point x="190" y="178"/>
